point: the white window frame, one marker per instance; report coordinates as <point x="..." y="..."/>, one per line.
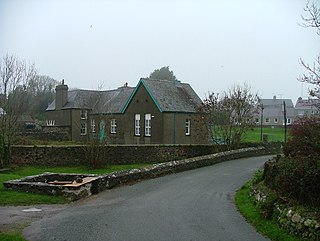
<point x="83" y="114"/>
<point x="113" y="126"/>
<point x="83" y="129"/>
<point x="289" y="121"/>
<point x="93" y="125"/>
<point x="50" y="122"/>
<point x="188" y="127"/>
<point x="137" y="126"/>
<point x="267" y="120"/>
<point x="276" y="120"/>
<point x="147" y="124"/>
<point x="257" y="120"/>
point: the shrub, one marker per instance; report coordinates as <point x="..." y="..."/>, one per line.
<point x="295" y="178"/>
<point x="305" y="138"/>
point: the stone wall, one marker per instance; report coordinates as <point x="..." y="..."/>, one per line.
<point x="122" y="154"/>
<point x="298" y="221"/>
<point x="37" y="183"/>
<point x="47" y="133"/>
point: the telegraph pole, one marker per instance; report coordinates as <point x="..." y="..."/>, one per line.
<point x="261" y="122"/>
<point x="285" y="121"/>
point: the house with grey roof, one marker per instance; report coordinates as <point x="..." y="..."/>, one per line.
<point x="271" y="112"/>
<point x="153" y="112"/>
<point x="307" y="107"/>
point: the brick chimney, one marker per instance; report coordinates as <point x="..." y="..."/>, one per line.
<point x="61" y="95"/>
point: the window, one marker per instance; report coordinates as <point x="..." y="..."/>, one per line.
<point x="275" y="120"/>
<point x="289" y="121"/>
<point x="83" y="129"/>
<point x="147" y="125"/>
<point x="93" y="125"/>
<point x="83" y="114"/>
<point x="113" y="124"/>
<point x="257" y="120"/>
<point x="300" y="112"/>
<point x="267" y="120"/>
<point x="50" y="122"/>
<point x="137" y="125"/>
<point x="188" y="124"/>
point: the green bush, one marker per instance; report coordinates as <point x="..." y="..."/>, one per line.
<point x="296" y="179"/>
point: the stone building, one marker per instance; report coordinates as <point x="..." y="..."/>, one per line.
<point x="153" y="112"/>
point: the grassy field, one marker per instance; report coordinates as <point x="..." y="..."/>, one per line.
<point x="8" y="197"/>
<point x="274" y="134"/>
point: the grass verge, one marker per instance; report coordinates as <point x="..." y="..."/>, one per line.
<point x="247" y="208"/>
<point x="8" y="197"/>
<point x="11" y="236"/>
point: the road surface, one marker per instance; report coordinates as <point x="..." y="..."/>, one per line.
<point x="192" y="205"/>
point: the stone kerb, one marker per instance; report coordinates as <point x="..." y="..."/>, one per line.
<point x="38" y="183"/>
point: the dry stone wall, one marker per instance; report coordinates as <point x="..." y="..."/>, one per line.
<point x="37" y="183"/>
<point x="121" y="154"/>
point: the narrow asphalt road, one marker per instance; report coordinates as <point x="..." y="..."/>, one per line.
<point x="192" y="205"/>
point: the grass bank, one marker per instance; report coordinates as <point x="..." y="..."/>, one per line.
<point x="250" y="211"/>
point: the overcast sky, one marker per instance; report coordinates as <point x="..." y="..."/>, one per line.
<point x="210" y="44"/>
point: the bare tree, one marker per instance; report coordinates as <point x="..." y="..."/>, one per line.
<point x="15" y="75"/>
<point x="95" y="139"/>
<point x="313" y="17"/>
<point x="313" y="71"/>
<point x="40" y="92"/>
<point x="213" y="118"/>
<point x="230" y="115"/>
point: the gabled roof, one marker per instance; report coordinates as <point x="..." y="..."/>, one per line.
<point x="307" y="103"/>
<point x="169" y="96"/>
<point x="110" y="101"/>
<point x="275" y="103"/>
<point x="271" y="112"/>
<point x="274" y="107"/>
